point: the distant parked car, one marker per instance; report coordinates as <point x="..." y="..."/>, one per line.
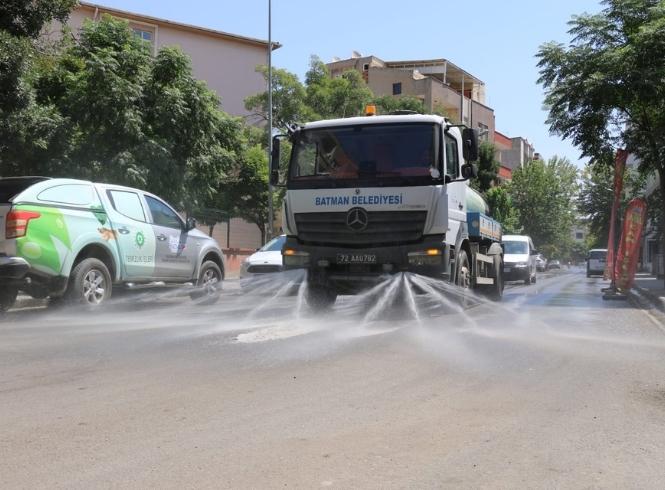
<point x="541" y="263"/>
<point x="266" y="260"/>
<point x="596" y="260"/>
<point x="553" y="264"/>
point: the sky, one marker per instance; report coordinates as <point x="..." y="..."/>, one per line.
<point x="496" y="41"/>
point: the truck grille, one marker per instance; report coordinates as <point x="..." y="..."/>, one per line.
<point x="383" y="228"/>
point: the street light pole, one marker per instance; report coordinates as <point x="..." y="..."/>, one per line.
<point x="270" y="191"/>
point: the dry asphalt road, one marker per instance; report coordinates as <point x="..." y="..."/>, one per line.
<point x="554" y="388"/>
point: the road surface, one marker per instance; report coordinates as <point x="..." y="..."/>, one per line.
<point x="553" y="388"/>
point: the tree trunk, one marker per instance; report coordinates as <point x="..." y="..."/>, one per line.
<point x="661" y="223"/>
<point x="210" y="228"/>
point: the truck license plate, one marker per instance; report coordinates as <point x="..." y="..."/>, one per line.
<point x="356" y="258"/>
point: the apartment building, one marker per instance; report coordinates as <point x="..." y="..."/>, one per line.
<point x="441" y="85"/>
<point x="226" y="62"/>
<point x="513" y="153"/>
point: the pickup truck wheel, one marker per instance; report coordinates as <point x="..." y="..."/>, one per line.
<point x="89" y="283"/>
<point x="209" y="283"/>
<point x="320" y="297"/>
<point x="8" y="296"/>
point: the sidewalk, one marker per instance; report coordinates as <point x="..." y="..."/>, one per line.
<point x="650" y="288"/>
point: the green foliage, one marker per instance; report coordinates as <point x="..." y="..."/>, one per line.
<point x="543" y="195"/>
<point x="105" y="109"/>
<point x="23" y="18"/>
<point x="605" y="90"/>
<point x="343" y="96"/>
<point x="502" y="209"/>
<point x="386" y="104"/>
<point x="288" y="100"/>
<point x="488" y="168"/>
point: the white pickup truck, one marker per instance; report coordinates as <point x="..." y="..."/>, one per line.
<point x="72" y="239"/>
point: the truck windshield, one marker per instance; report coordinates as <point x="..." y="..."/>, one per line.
<point x="376" y="153"/>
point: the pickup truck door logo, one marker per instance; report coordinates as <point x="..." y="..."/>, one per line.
<point x="357" y="219"/>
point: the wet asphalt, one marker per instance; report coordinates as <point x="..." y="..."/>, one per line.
<point x="551" y="388"/>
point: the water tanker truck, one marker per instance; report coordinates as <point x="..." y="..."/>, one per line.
<point x="373" y="196"/>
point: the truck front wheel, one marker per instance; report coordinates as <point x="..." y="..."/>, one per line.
<point x="463" y="277"/>
<point x="495" y="291"/>
<point x="320" y="297"/>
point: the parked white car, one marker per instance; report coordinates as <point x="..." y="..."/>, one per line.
<point x="519" y="258"/>
<point x="266" y="260"/>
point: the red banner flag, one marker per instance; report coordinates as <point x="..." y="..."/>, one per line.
<point x="619" y="165"/>
<point x="629" y="246"/>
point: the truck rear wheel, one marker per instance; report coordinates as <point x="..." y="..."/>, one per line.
<point x="320" y="297"/>
<point x="89" y="283"/>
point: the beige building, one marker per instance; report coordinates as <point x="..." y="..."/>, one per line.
<point x="513" y="153"/>
<point x="226" y="62"/>
<point x="441" y="85"/>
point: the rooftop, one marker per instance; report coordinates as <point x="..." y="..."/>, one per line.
<point x="178" y="25"/>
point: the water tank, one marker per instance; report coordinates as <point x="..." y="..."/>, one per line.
<point x="475" y="202"/>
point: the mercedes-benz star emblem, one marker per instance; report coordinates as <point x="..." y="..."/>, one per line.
<point x="357" y="219"/>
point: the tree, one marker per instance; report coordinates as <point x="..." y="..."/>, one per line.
<point x="387" y="103"/>
<point x="288" y="100"/>
<point x="488" y="168"/>
<point x="26" y="127"/>
<point x="605" y="89"/>
<point x="246" y="191"/>
<point x="596" y="198"/>
<point x="502" y="209"/>
<point x="343" y="96"/>
<point x="543" y="195"/>
<point x="115" y="113"/>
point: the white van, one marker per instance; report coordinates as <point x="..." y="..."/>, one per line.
<point x="519" y="259"/>
<point x="596" y="261"/>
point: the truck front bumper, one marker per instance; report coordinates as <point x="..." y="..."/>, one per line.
<point x="353" y="268"/>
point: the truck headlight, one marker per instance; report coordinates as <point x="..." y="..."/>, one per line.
<point x="295" y="258"/>
<point x="431" y="256"/>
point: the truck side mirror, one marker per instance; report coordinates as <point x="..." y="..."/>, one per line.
<point x="470" y="144"/>
<point x="469" y="171"/>
<point x="274" y="161"/>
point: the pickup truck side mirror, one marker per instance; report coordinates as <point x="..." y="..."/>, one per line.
<point x="190" y="224"/>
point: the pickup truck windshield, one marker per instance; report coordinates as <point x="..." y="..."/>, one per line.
<point x="378" y="153"/>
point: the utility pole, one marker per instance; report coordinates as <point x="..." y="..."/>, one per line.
<point x="270" y="190"/>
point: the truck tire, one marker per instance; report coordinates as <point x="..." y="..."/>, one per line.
<point x="495" y="291"/>
<point x="8" y="296"/>
<point x="320" y="297"/>
<point x="463" y="271"/>
<point x="89" y="283"/>
<point x="209" y="283"/>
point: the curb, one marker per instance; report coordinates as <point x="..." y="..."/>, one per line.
<point x="652" y="304"/>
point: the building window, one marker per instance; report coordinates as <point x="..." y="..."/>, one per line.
<point x="143" y="34"/>
<point x="366" y="67"/>
<point x="397" y="88"/>
<point x="579" y="235"/>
